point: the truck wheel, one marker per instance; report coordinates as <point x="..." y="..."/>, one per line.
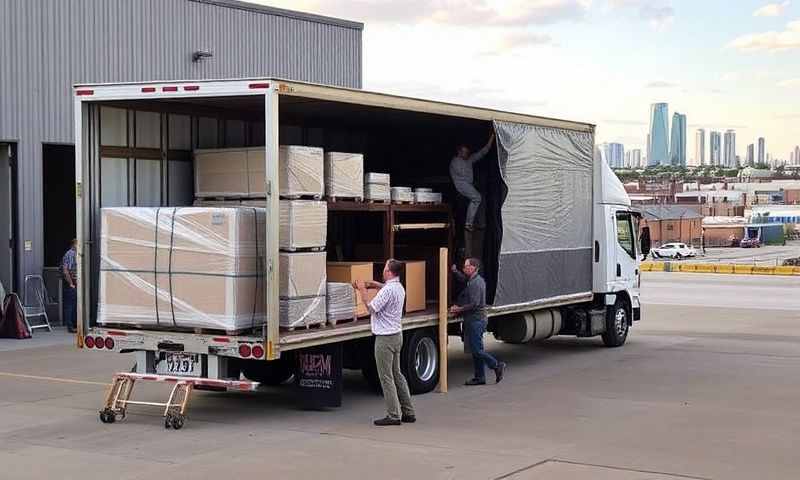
<point x="273" y="372"/>
<point x="616" y="324"/>
<point x="419" y="360"/>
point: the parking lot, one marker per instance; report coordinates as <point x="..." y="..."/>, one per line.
<point x="765" y="256"/>
<point x="705" y="388"/>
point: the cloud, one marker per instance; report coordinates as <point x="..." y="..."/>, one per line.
<point x="788" y="39"/>
<point x="658" y="17"/>
<point x="624" y="122"/>
<point x="511" y="13"/>
<point x="510" y="42"/>
<point x="790" y="83"/>
<point x="661" y="84"/>
<point x="771" y="10"/>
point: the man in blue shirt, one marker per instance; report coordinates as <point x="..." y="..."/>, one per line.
<point x="471" y="305"/>
<point x="69" y="270"/>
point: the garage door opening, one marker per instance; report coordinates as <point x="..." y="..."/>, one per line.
<point x="58" y="195"/>
<point x="8" y="207"/>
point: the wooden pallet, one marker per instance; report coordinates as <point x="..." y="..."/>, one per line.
<point x="334" y="199"/>
<point x="333" y="322"/>
<point x="303" y="249"/>
<point x="403" y="202"/>
<point x="313" y="326"/>
<point x="301" y="196"/>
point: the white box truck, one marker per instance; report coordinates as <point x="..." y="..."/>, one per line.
<point x="561" y="247"/>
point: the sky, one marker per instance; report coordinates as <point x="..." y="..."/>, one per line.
<point x="725" y="64"/>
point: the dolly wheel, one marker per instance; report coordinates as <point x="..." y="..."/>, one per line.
<point x="107" y="416"/>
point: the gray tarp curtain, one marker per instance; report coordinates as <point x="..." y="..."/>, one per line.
<point x="546" y="247"/>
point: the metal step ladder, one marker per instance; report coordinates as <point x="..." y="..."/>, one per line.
<point x="119" y="395"/>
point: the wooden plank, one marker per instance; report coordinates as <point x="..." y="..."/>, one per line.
<point x="444" y="268"/>
<point x="420" y="226"/>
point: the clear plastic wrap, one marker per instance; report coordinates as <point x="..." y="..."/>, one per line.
<point x="344" y="174"/>
<point x="377" y="178"/>
<point x="375" y="191"/>
<point x="341" y="302"/>
<point x="303" y="224"/>
<point x="301" y="170"/>
<point x="182" y="267"/>
<point x="302" y="312"/>
<point x="222" y="172"/>
<point x="427" y="197"/>
<point x="402" y="194"/>
<point x="546" y="247"/>
<point x="302" y="274"/>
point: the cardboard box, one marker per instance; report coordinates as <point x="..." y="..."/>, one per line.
<point x="221" y="172"/>
<point x="182" y="267"/>
<point x="344" y="173"/>
<point x="302" y="274"/>
<point x="348" y="272"/>
<point x="303" y="224"/>
<point x="413" y="280"/>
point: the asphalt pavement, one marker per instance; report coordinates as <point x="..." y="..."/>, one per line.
<point x="706" y="387"/>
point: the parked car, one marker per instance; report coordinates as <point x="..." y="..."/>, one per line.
<point x="750" y="243"/>
<point x="674" y="250"/>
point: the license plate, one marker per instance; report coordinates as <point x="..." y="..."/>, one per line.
<point x="181" y="364"/>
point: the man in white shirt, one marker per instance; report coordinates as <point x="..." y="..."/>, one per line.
<point x="386" y="310"/>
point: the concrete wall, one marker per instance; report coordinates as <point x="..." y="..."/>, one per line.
<point x="46" y="46"/>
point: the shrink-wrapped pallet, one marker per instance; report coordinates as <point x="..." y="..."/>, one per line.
<point x="301" y="171"/>
<point x="178" y="268"/>
<point x="344" y="173"/>
<point x="302" y="312"/>
<point x="341" y="302"/>
<point x="427" y="197"/>
<point x="303" y="224"/>
<point x="373" y="191"/>
<point x="240" y="172"/>
<point x="302" y="274"/>
<point x="377" y="178"/>
<point x="402" y="194"/>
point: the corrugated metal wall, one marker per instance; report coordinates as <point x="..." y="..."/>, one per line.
<point x="46" y="46"/>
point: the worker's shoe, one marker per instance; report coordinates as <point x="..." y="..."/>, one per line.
<point x="408" y="419"/>
<point x="474" y="381"/>
<point x="387" y="421"/>
<point x="499" y="371"/>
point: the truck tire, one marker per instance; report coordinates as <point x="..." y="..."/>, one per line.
<point x="275" y="372"/>
<point x="419" y="360"/>
<point x="617" y="324"/>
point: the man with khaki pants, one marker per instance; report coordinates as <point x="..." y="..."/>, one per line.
<point x="386" y="310"/>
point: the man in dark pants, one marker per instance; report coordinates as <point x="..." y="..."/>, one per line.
<point x="472" y="306"/>
<point x="69" y="270"/>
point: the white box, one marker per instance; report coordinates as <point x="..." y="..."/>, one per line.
<point x="374" y="191"/>
<point x="377" y="178"/>
<point x="301" y="171"/>
<point x="302" y="274"/>
<point x="402" y="194"/>
<point x="304" y="224"/>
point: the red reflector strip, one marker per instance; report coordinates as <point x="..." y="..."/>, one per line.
<point x="221" y="339"/>
<point x="148" y="89"/>
<point x="169" y="89"/>
<point x="81" y="93"/>
<point x="259" y="85"/>
<point x="118" y="334"/>
<point x="191" y="88"/>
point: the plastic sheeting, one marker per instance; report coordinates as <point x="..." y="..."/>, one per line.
<point x="182" y="267"/>
<point x="303" y="224"/>
<point x="341" y="302"/>
<point x="546" y="238"/>
<point x="344" y="175"/>
<point x="402" y="194"/>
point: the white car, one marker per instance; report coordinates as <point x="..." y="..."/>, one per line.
<point x="674" y="250"/>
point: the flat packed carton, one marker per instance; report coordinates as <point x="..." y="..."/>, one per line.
<point x="301" y="170"/>
<point x="341" y="302"/>
<point x="302" y="312"/>
<point x="302" y="274"/>
<point x="348" y="272"/>
<point x="303" y="224"/>
<point x="413" y="280"/>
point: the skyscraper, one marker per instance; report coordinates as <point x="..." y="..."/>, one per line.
<point x="677" y="149"/>
<point x="729" y="154"/>
<point x="714" y="151"/>
<point x="657" y="153"/>
<point x="700" y="147"/>
<point x="614" y="154"/>
<point x="797" y="155"/>
<point x="762" y="150"/>
<point x="751" y="155"/>
<point x="636" y="158"/>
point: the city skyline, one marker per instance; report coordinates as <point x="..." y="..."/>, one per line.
<point x="739" y="75"/>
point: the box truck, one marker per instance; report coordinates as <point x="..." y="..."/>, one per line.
<point x="560" y="243"/>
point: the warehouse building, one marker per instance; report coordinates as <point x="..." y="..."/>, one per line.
<point x="46" y="46"/>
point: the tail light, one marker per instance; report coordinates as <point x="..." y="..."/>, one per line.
<point x="244" y="350"/>
<point x="99" y="342"/>
<point x="258" y="351"/>
<point x="89" y="342"/>
<point x="109" y="343"/>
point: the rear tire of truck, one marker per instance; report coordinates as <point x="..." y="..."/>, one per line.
<point x="617" y="324"/>
<point x="275" y="372"/>
<point x="419" y="360"/>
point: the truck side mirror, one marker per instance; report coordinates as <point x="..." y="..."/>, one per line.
<point x="644" y="241"/>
